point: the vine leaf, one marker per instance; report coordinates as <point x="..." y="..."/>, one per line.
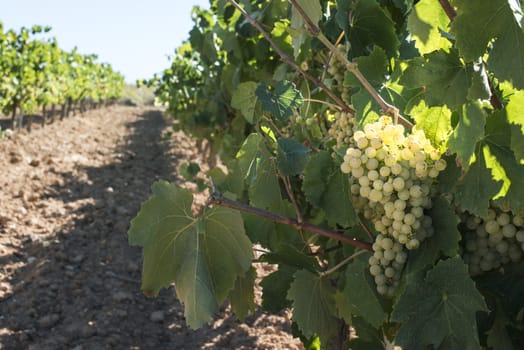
<point x="202" y="256"/>
<point x="328" y="188"/>
<point x="281" y="101"/>
<point x="516" y="118"/>
<point x="242" y="297"/>
<point x="275" y="287"/>
<point x="498" y="337"/>
<point x="361" y="295"/>
<point x="443" y="75"/>
<point x="435" y="121"/>
<point x="373" y="67"/>
<point x="313" y="10"/>
<point x="259" y="171"/>
<point x="445" y="239"/>
<point x="469" y="130"/>
<point x="498" y="20"/>
<point x="313" y="299"/>
<point x="367" y="109"/>
<point x="504" y="167"/>
<point x="477" y="188"/>
<point x="479" y="89"/>
<point x="369" y="25"/>
<point x="425" y="23"/>
<point x="291" y="156"/>
<point x="244" y="98"/>
<point x="440" y="309"/>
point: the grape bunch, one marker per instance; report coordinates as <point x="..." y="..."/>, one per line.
<point x="386" y="264"/>
<point x="491" y="242"/>
<point x="392" y="177"/>
<point x="342" y="129"/>
<point x="337" y="69"/>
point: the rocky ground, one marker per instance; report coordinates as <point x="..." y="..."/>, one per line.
<point x="68" y="278"/>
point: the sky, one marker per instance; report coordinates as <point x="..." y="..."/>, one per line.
<point x="135" y="37"/>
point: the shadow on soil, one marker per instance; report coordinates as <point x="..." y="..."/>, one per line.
<point x="80" y="289"/>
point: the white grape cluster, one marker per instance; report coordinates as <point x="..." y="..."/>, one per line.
<point x="386" y="264"/>
<point x="337" y="69"/>
<point x="496" y="240"/>
<point x="392" y="177"/>
<point x="342" y="129"/>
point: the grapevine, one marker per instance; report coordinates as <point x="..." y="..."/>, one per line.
<point x="382" y="175"/>
<point x="38" y="74"/>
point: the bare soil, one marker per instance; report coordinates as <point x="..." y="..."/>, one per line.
<point x="68" y="278"/>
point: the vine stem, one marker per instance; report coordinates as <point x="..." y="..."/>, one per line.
<point x="352" y="67"/>
<point x="287" y="185"/>
<point x="342" y="263"/>
<point x="366" y="229"/>
<point x="217" y="199"/>
<point x="290" y="61"/>
<point x="450" y="11"/>
<point x="330" y="105"/>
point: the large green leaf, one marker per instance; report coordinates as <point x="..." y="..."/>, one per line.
<point x="328" y="188"/>
<point x="288" y="255"/>
<point x="443" y="76"/>
<point x="367" y="109"/>
<point x="369" y="25"/>
<point x="515" y="115"/>
<point x="469" y="130"/>
<point x="426" y="22"/>
<point x="275" y="287"/>
<point x="498" y="337"/>
<point x="504" y="167"/>
<point x="435" y="121"/>
<point x="291" y="156"/>
<point x="492" y="22"/>
<point x="259" y="170"/>
<point x="477" y="23"/>
<point x="313" y="10"/>
<point x="280" y="101"/>
<point x="445" y="240"/>
<point x="360" y="292"/>
<point x="373" y="67"/>
<point x="242" y="297"/>
<point x="202" y="256"/>
<point x="477" y="187"/>
<point x="313" y="299"/>
<point x="245" y="99"/>
<point x="440" y="310"/>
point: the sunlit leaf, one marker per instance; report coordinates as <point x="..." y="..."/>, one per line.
<point x="202" y="256"/>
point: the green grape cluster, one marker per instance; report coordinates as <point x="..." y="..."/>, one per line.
<point x="386" y="264"/>
<point x="491" y="242"/>
<point x="337" y="69"/>
<point x="342" y="129"/>
<point x="392" y="177"/>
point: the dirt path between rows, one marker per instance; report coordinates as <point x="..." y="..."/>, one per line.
<point x="68" y="278"/>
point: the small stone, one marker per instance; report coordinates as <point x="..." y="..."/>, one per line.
<point x="34" y="162"/>
<point x="122" y="296"/>
<point x="121" y="313"/>
<point x="157" y="316"/>
<point x="77" y="258"/>
<point x="31" y="259"/>
<point x="132" y="266"/>
<point x="48" y="321"/>
<point x="122" y="210"/>
<point x="86" y="330"/>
